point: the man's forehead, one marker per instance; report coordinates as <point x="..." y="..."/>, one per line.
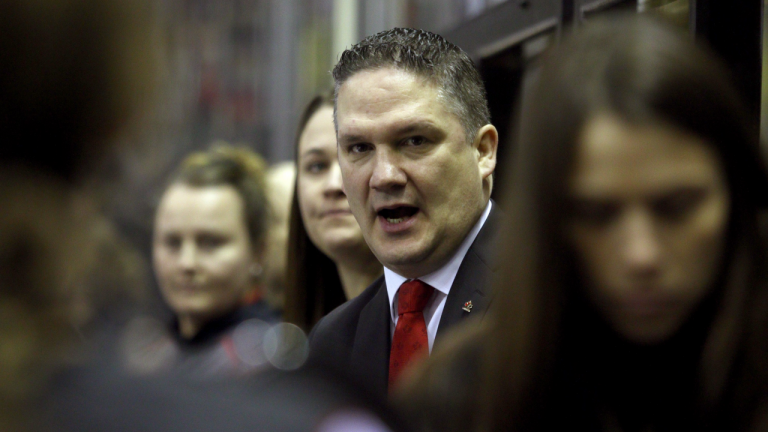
<point x="407" y="102"/>
<point x="364" y="82"/>
<point x="370" y="90"/>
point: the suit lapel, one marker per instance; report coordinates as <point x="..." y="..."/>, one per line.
<point x="370" y="352"/>
<point x="475" y="277"/>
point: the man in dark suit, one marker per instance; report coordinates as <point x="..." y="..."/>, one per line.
<point x="417" y="153"/>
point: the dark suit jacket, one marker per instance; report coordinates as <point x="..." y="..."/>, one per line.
<point x="355" y="337"/>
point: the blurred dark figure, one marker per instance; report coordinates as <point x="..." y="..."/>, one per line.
<point x="72" y="70"/>
<point x="329" y="261"/>
<point x="72" y="73"/>
<point x="634" y="295"/>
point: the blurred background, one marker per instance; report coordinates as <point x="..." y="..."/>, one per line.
<point x="240" y="71"/>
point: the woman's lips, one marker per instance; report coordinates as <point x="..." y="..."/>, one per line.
<point x="645" y="305"/>
<point x="333" y="213"/>
<point x="189" y="288"/>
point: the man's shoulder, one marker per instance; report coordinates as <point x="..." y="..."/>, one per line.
<point x="353" y="339"/>
<point x="486" y="244"/>
<point x="473" y="284"/>
<point x="342" y="321"/>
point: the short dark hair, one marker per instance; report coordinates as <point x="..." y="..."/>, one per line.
<point x="427" y="55"/>
<point x="240" y="168"/>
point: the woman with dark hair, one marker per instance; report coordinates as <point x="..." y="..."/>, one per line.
<point x="207" y="251"/>
<point x="328" y="259"/>
<point x="635" y="292"/>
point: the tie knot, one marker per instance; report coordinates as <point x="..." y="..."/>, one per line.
<point x="413" y="296"/>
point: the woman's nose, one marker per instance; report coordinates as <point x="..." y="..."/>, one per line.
<point x="641" y="248"/>
<point x="334" y="184"/>
<point x="188" y="256"/>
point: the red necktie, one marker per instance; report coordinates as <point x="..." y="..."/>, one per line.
<point x="410" y="341"/>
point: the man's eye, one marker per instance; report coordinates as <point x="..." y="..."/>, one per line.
<point x="677" y="205"/>
<point x="415" y="141"/>
<point x="358" y="148"/>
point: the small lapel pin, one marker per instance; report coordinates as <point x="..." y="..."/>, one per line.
<point x="467" y="306"/>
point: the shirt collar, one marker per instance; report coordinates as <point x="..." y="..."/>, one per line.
<point x="442" y="278"/>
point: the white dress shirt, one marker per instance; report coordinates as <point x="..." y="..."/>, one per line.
<point x="441" y="280"/>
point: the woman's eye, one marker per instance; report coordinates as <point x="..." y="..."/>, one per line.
<point x="593" y="212"/>
<point x="172" y="242"/>
<point x="316" y="167"/>
<point x="210" y="241"/>
<point x="679" y="204"/>
<point x="415" y="141"/>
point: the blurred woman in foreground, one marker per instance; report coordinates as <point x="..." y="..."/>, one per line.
<point x="635" y="296"/>
<point x="65" y="93"/>
<point x="328" y="259"/>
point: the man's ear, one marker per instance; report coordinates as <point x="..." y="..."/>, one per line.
<point x="486" y="144"/>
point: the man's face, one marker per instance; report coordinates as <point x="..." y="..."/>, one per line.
<point x="413" y="182"/>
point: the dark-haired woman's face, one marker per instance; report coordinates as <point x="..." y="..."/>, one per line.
<point x="649" y="214"/>
<point x="322" y="202"/>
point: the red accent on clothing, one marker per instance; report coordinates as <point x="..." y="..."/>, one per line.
<point x="410" y="342"/>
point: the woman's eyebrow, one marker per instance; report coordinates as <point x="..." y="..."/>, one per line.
<point x="314" y="151"/>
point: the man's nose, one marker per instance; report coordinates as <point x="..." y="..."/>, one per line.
<point x="641" y="248"/>
<point x="387" y="173"/>
<point x="334" y="186"/>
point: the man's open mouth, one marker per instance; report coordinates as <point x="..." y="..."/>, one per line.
<point x="398" y="214"/>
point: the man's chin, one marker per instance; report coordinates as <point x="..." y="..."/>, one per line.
<point x="405" y="262"/>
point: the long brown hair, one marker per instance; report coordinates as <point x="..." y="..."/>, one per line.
<point x="313" y="287"/>
<point x="644" y="72"/>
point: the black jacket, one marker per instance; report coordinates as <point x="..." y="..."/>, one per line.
<point x="355" y="337"/>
